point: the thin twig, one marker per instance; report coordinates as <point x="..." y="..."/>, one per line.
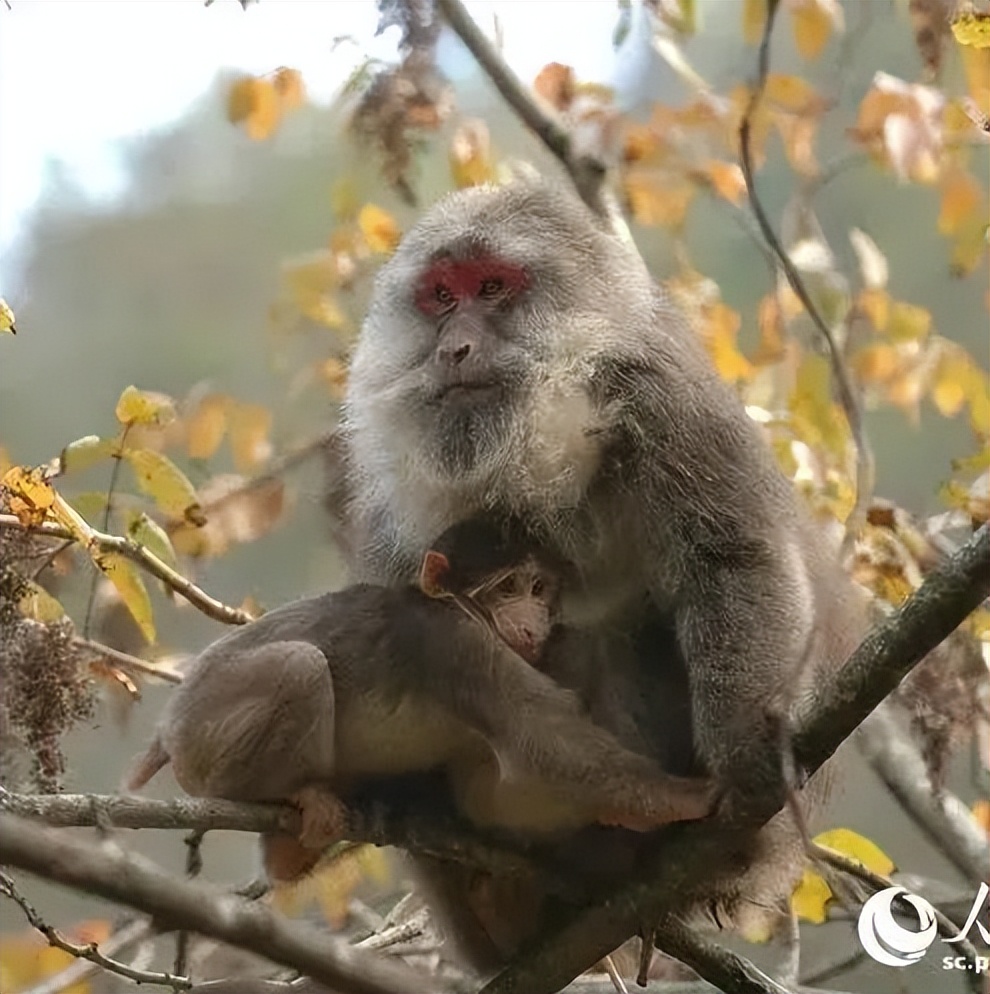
<point x="848" y="398"/>
<point x="88" y="951"/>
<point x="117" y="875"/>
<point x="79" y="970"/>
<point x="128" y="662"/>
<point x="587" y="173"/>
<point x="184" y="587"/>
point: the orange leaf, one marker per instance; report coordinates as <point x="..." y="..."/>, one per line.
<point x="32" y="494"/>
<point x="754" y="18"/>
<point x="249" y="428"/>
<point x="726" y="179"/>
<point x="720" y="330"/>
<point x="288" y="84"/>
<point x="206" y="426"/>
<point x="556" y="84"/>
<point x="471" y="155"/>
<point x="772" y="332"/>
<point x="813" y="22"/>
<point x="875" y="304"/>
<point x="661" y="201"/>
<point x="379" y="229"/>
<point x="961" y="197"/>
<point x="877" y="363"/>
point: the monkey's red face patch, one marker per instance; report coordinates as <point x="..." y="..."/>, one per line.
<point x="450" y="282"/>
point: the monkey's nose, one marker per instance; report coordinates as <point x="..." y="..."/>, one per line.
<point x="455" y="356"/>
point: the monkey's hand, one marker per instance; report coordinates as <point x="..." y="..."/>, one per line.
<point x="324" y="816"/>
<point x="668" y="800"/>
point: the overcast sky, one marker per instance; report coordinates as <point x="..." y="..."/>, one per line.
<point x="76" y="75"/>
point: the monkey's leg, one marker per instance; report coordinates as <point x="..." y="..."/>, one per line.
<point x="146" y="766"/>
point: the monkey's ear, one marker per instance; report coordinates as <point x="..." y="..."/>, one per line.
<point x="433" y="573"/>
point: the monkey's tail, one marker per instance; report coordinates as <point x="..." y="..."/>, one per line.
<point x="146" y="766"/>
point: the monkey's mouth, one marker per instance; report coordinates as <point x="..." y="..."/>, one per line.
<point x="469" y="393"/>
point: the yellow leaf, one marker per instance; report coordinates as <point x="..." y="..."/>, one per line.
<point x="976" y="64"/>
<point x="812" y="21"/>
<point x="379" y="229"/>
<point x="972" y="27"/>
<point x="471" y="155"/>
<point x="144" y="407"/>
<point x="165" y="483"/>
<point x="31" y="494"/>
<point x="817" y="417"/>
<point x="970" y="243"/>
<point x="255" y="103"/>
<point x="949" y="382"/>
<point x="38" y="604"/>
<point x="249" y="428"/>
<point x="555" y="83"/>
<point x="288" y="84"/>
<point x="6" y="318"/>
<point x="152" y="536"/>
<point x="908" y="323"/>
<point x="90" y="503"/>
<point x="720" y="330"/>
<point x="727" y="180"/>
<point x="125" y="577"/>
<point x="51" y="961"/>
<point x="754" y="18"/>
<point x="791" y="93"/>
<point x="877" y="363"/>
<point x="344" y="199"/>
<point x="772" y="333"/>
<point x="850" y="843"/>
<point x="875" y="304"/>
<point x="662" y="200"/>
<point x="334" y="373"/>
<point x="961" y="196"/>
<point x="85" y="452"/>
<point x="206" y="426"/>
<point x="810" y="898"/>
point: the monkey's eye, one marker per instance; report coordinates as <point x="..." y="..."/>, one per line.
<point x="536" y="590"/>
<point x="491" y="288"/>
<point x="442" y="295"/>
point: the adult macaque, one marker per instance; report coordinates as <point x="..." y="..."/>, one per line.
<point x="519" y="360"/>
<point x="324" y="693"/>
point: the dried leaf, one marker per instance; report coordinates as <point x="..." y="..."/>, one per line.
<point x="85" y="452"/>
<point x="930" y="24"/>
<point x="6" y="319"/>
<point x="206" y="426"/>
<point x="660" y="200"/>
<point x="163" y="481"/>
<point x="726" y="179"/>
<point x="471" y="155"/>
<point x="379" y="229"/>
<point x="288" y="84"/>
<point x="249" y="442"/>
<point x="773" y="335"/>
<point x="556" y="84"/>
<point x="962" y="195"/>
<point x="972" y="27"/>
<point x="125" y="577"/>
<point x="32" y="495"/>
<point x="144" y="407"/>
<point x="719" y="333"/>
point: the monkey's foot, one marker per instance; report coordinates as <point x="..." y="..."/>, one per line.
<point x="675" y="799"/>
<point x="324" y="817"/>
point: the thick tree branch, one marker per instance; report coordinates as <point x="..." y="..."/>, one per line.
<point x="587" y="173"/>
<point x="184" y="587"/>
<point x="848" y="397"/>
<point x="114" y="874"/>
<point x="687" y="858"/>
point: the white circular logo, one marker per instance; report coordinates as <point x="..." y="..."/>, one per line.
<point x="885" y="940"/>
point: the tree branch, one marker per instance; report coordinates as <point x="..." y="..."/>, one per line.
<point x="128" y="662"/>
<point x="848" y="397"/>
<point x="587" y="173"/>
<point x="686" y="858"/>
<point x="116" y="875"/>
<point x="184" y="587"/>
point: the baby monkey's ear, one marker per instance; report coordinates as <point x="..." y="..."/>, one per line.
<point x="434" y="574"/>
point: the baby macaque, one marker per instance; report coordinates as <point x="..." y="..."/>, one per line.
<point x="328" y="692"/>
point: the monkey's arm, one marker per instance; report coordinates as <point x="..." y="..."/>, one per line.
<point x="540" y="733"/>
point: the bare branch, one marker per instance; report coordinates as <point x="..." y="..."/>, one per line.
<point x="587" y="173"/>
<point x="945" y="820"/>
<point x="88" y="951"/>
<point x="117" y="875"/>
<point x="128" y="662"/>
<point x="848" y="397"/>
<point x="184" y="587"/>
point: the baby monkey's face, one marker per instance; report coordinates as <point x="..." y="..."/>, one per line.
<point x="518" y="602"/>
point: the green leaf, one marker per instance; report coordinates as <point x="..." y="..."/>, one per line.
<point x="85" y="452"/>
<point x="150" y="534"/>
